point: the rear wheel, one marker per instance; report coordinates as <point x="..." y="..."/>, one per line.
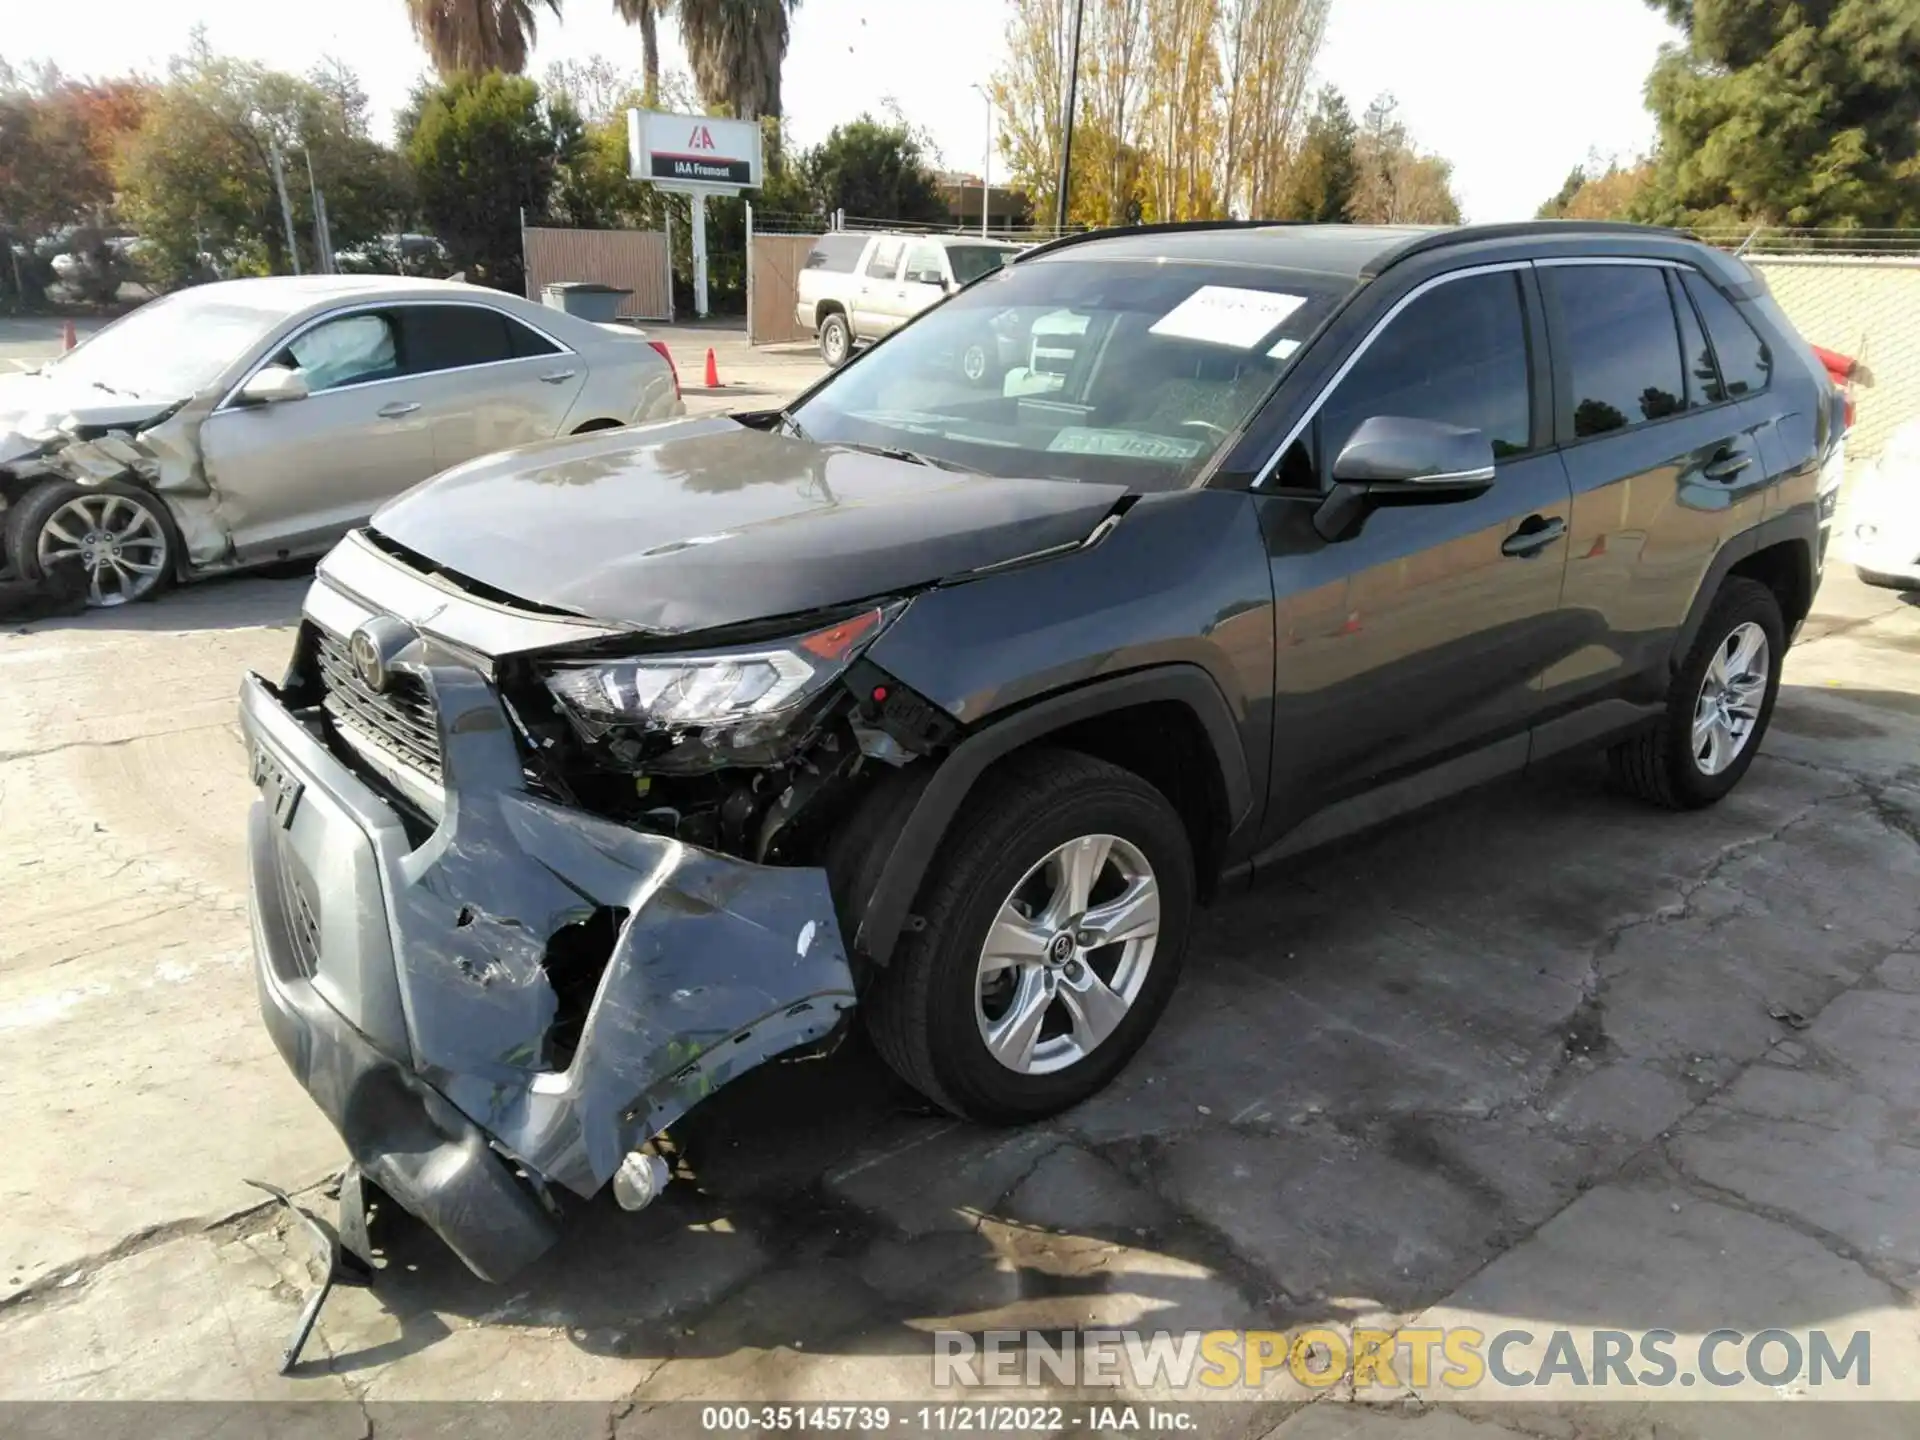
<point x="836" y="339"/>
<point x="1056" y="920"/>
<point x="121" y="536"/>
<point x="1718" y="707"/>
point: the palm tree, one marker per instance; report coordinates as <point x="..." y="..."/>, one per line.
<point x="645" y="14"/>
<point x="469" y="36"/>
<point x="736" y="47"/>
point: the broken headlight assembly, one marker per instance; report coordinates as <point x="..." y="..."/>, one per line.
<point x="727" y="706"/>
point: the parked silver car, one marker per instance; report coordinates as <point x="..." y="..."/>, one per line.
<point x="254" y="421"/>
<point x="856" y="288"/>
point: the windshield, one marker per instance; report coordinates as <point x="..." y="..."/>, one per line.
<point x="172" y="346"/>
<point x="1080" y="368"/>
<point x="970" y="262"/>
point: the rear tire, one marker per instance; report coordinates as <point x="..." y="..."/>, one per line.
<point x="836" y="340"/>
<point x="930" y="1009"/>
<point x="1683" y="762"/>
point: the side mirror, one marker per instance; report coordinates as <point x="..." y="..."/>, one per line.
<point x="1394" y="460"/>
<point x="272" y="385"/>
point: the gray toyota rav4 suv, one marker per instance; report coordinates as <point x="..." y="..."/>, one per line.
<point x="609" y="768"/>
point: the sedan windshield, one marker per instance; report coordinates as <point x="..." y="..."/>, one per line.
<point x="173" y="346"/>
<point x="1079" y="368"/>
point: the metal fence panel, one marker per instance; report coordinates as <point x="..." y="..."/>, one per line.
<point x="633" y="260"/>
<point x="775" y="262"/>
<point x="1867" y="307"/>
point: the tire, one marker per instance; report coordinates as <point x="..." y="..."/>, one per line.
<point x="836" y="340"/>
<point x="136" y="518"/>
<point x="926" y="1009"/>
<point x="1663" y="764"/>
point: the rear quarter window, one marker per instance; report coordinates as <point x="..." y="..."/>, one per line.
<point x="836" y="253"/>
<point x="1746" y="361"/>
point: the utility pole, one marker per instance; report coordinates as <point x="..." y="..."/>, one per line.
<point x="986" y="165"/>
<point x="1066" y="123"/>
<point x="286" y="206"/>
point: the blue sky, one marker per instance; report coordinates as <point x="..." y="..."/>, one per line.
<point x="1514" y="92"/>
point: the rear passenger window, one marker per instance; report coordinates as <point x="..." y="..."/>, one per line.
<point x="886" y="259"/>
<point x="447" y="337"/>
<point x="1622" y="347"/>
<point x="527" y="341"/>
<point x="1746" y="364"/>
<point x="1457" y="354"/>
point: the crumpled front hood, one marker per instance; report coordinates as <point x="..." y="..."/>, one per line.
<point x="32" y="405"/>
<point x="697" y="524"/>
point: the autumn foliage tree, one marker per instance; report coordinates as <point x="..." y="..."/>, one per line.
<point x="1195" y="109"/>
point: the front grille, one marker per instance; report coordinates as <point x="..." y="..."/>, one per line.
<point x="400" y="721"/>
<point x="303" y="926"/>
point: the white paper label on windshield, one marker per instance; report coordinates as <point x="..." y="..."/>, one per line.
<point x="1283" y="348"/>
<point x="1227" y="315"/>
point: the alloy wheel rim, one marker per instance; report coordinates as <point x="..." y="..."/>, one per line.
<point x="1727" y="711"/>
<point x="117" y="539"/>
<point x="836" y="343"/>
<point x="1067" y="954"/>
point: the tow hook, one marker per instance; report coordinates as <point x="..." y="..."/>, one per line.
<point x="640" y="1179"/>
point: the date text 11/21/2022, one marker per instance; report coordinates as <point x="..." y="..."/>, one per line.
<point x="944" y="1419"/>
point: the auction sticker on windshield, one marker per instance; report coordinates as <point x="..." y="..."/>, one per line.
<point x="1227" y="315"/>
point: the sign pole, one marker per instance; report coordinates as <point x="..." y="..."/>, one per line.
<point x="699" y="254"/>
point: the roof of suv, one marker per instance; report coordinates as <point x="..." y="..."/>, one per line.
<point x="1349" y="251"/>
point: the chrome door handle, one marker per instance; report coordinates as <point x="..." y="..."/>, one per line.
<point x="554" y="377"/>
<point x="1536" y="532"/>
<point x="1726" y="466"/>
<point x="397" y="409"/>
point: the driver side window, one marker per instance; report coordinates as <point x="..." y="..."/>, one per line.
<point x="346" y="351"/>
<point x="1457" y="354"/>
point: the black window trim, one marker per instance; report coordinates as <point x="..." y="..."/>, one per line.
<point x="1311" y="414"/>
<point x="1565" y="439"/>
<point x="229" y="401"/>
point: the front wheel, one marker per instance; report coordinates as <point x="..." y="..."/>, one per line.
<point x="121" y="536"/>
<point x="1718" y="707"/>
<point x="1056" y="920"/>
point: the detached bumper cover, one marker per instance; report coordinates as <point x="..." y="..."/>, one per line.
<point x="412" y="987"/>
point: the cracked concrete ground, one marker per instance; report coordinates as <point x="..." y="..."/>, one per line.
<point x="1543" y="1059"/>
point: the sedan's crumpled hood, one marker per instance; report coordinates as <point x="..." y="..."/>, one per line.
<point x="697" y="524"/>
<point x="33" y="405"/>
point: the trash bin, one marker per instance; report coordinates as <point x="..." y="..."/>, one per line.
<point x="585" y="298"/>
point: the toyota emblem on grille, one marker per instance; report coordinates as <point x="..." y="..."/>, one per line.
<point x="373" y="648"/>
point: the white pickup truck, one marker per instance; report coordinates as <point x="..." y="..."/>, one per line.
<point x="857" y="287"/>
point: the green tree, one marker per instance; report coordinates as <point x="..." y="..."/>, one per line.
<point x="485" y="148"/>
<point x="1788" y="112"/>
<point x="471" y="36"/>
<point x="196" y="178"/>
<point x="1556" y="208"/>
<point x="1395" y="182"/>
<point x="875" y="170"/>
<point x="1319" y="186"/>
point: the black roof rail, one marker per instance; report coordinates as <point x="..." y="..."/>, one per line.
<point x="1510" y="230"/>
<point x="1164" y="227"/>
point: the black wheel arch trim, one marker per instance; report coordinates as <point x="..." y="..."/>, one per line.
<point x="1801" y="526"/>
<point x="887" y="908"/>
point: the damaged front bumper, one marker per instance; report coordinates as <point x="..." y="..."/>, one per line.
<point x="526" y="995"/>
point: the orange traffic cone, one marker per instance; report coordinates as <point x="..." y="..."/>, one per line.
<point x="713" y="371"/>
<point x="68" y="338"/>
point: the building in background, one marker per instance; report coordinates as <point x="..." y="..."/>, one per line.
<point x="1007" y="209"/>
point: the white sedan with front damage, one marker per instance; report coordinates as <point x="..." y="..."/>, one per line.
<point x="254" y="421"/>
